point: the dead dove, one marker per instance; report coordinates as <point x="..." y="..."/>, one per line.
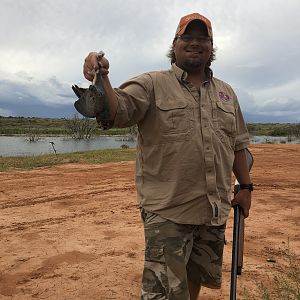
<point x="93" y="101"/>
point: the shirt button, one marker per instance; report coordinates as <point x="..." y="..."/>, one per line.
<point x="210" y="193"/>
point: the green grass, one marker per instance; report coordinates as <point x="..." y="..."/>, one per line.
<point x="284" y="284"/>
<point x="55" y="126"/>
<point x="46" y="126"/>
<point x="274" y="129"/>
<point x="87" y="157"/>
<point x="20" y="125"/>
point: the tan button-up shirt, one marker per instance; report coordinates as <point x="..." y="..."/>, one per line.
<point x="185" y="145"/>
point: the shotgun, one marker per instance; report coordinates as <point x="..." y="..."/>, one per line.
<point x="238" y="236"/>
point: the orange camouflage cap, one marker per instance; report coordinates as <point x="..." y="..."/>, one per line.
<point x="186" y="20"/>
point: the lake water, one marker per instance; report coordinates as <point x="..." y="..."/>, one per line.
<point x="264" y="139"/>
<point x="20" y="146"/>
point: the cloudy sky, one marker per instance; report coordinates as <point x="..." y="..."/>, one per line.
<point x="44" y="42"/>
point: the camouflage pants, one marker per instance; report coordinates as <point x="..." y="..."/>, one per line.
<point x="178" y="253"/>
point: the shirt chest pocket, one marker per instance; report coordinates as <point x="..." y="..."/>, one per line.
<point x="173" y="116"/>
<point x="224" y="117"/>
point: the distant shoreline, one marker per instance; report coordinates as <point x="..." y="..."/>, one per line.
<point x="60" y="126"/>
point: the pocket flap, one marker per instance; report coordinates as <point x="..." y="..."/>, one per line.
<point x="229" y="108"/>
<point x="169" y="104"/>
<point x="154" y="254"/>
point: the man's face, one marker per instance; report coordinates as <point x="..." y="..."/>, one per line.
<point x="193" y="48"/>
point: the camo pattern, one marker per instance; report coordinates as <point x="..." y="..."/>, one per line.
<point x="176" y="253"/>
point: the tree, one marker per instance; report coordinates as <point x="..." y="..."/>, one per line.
<point x="81" y="128"/>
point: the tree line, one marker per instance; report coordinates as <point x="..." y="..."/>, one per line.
<point x="79" y="127"/>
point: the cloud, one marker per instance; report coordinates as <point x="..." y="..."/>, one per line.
<point x="22" y="87"/>
<point x="23" y="95"/>
<point x="287" y="107"/>
<point x="46" y="42"/>
<point x="6" y="113"/>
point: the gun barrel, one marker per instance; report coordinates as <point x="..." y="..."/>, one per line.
<point x="235" y="252"/>
<point x="238" y="236"/>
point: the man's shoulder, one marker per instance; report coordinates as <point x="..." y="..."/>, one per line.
<point x="161" y="77"/>
<point x="151" y="75"/>
<point x="221" y="83"/>
<point x="148" y="79"/>
<point x="160" y="73"/>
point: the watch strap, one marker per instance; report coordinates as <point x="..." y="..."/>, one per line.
<point x="246" y="186"/>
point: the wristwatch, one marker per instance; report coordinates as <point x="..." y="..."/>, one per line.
<point x="246" y="186"/>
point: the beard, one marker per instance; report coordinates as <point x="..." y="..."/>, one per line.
<point x="193" y="64"/>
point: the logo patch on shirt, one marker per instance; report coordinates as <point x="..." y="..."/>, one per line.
<point x="224" y="97"/>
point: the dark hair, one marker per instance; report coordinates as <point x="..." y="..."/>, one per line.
<point x="171" y="56"/>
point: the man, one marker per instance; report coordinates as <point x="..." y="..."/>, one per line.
<point x="191" y="135"/>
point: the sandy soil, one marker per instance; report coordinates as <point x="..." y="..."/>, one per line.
<point x="74" y="231"/>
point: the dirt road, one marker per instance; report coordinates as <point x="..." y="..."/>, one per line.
<point x="74" y="231"/>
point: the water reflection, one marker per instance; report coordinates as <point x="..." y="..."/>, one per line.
<point x="264" y="139"/>
<point x="20" y="146"/>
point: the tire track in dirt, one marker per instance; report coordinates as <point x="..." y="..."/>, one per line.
<point x="45" y="222"/>
<point x="9" y="283"/>
<point x="30" y="201"/>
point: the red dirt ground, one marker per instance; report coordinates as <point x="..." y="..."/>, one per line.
<point x="74" y="231"/>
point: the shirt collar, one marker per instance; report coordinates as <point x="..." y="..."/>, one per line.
<point x="181" y="75"/>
